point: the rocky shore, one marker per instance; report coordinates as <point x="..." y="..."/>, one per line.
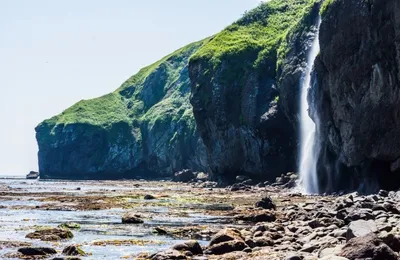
<point x="249" y="222"/>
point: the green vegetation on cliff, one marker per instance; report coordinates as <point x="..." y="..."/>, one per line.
<point x="146" y="126"/>
<point x="255" y="39"/>
<point x="132" y="103"/>
<point x="325" y="5"/>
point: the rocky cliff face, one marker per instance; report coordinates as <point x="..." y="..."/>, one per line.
<point x="245" y="89"/>
<point x="357" y="98"/>
<point x="145" y="128"/>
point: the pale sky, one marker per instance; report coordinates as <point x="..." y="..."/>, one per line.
<point x="55" y="53"/>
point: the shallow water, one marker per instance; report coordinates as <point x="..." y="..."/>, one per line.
<point x="17" y="219"/>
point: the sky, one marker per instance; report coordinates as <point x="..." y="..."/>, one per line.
<point x="55" y="53"/>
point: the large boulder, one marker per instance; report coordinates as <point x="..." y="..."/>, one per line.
<point x="360" y="228"/>
<point x="226" y="241"/>
<point x="224" y="235"/>
<point x="184" y="176"/>
<point x="367" y="247"/>
<point x="356" y="99"/>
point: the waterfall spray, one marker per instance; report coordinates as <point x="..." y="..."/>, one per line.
<point x="308" y="152"/>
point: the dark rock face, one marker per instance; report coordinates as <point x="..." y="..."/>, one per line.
<point x="248" y="120"/>
<point x="356" y="101"/>
<point x="144" y="129"/>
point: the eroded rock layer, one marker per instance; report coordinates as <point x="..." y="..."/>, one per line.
<point x="357" y="98"/>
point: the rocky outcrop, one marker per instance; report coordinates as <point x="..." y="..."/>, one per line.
<point x="356" y="101"/>
<point x="144" y="129"/>
<point x="245" y="89"/>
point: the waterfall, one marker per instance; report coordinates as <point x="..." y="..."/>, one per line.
<point x="308" y="181"/>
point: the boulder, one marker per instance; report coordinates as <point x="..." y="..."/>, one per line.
<point x="184" y="176"/>
<point x="367" y="247"/>
<point x="266" y="203"/>
<point x="36" y="251"/>
<point x="360" y="228"/>
<point x="51" y="234"/>
<point x="192" y="246"/>
<point x="224" y="235"/>
<point x="149" y="197"/>
<point x="392" y="240"/>
<point x="73" y="250"/>
<point x="131" y="218"/>
<point x="169" y="254"/>
<point x="226" y="247"/>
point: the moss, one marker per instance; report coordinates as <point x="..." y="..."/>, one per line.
<point x="325" y="5"/>
<point x="253" y="41"/>
<point x="129" y="105"/>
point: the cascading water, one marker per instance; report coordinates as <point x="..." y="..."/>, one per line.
<point x="308" y="148"/>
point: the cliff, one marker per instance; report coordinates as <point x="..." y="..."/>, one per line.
<point x="145" y="128"/>
<point x="356" y="100"/>
<point x="245" y="89"/>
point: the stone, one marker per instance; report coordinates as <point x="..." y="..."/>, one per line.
<point x="263" y="241"/>
<point x="224" y="235"/>
<point x="169" y="254"/>
<point x="330" y="251"/>
<point x="73" y="250"/>
<point x="70" y="225"/>
<point x="193" y="246"/>
<point x="360" y="228"/>
<point x="226" y="247"/>
<point x="184" y="176"/>
<point x="255" y="217"/>
<point x="383" y="193"/>
<point x="149" y="197"/>
<point x="367" y="247"/>
<point x="392" y="240"/>
<point x="131" y="218"/>
<point x="266" y="203"/>
<point x="36" y="251"/>
<point x="51" y="234"/>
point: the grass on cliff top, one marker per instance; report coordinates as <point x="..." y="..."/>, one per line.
<point x="180" y="54"/>
<point x="325" y="5"/>
<point x="257" y="35"/>
<point x="98" y="111"/>
<point x="112" y="108"/>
